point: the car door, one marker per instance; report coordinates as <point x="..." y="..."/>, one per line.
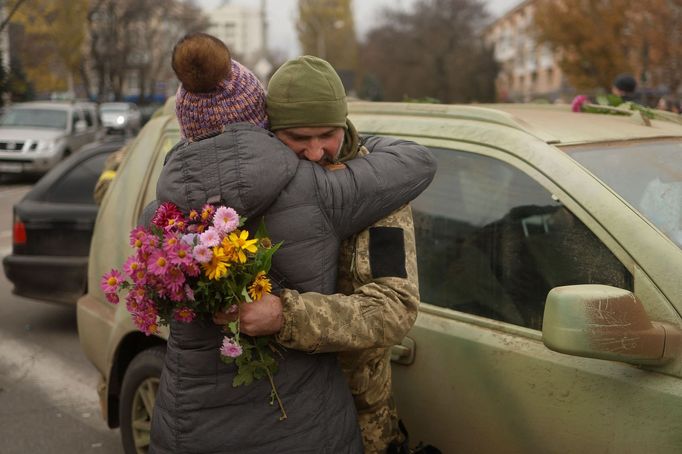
<point x="473" y="374"/>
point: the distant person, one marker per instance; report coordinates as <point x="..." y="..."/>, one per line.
<point x="624" y="85"/>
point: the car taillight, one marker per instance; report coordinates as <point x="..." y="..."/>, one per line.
<point x="18" y="232"/>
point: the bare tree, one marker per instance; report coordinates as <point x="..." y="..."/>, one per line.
<point x="12" y="7"/>
<point x="433" y="51"/>
<point x="136" y="37"/>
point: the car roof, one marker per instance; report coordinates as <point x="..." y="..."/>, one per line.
<point x="554" y="124"/>
<point x="119" y="105"/>
<point x="50" y="104"/>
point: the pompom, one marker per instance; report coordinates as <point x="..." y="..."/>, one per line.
<point x="201" y="62"/>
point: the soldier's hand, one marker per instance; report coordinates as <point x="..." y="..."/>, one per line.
<point x="261" y="317"/>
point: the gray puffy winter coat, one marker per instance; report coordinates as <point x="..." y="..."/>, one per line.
<point x="311" y="210"/>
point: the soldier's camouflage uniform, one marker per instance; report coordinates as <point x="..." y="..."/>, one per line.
<point x="377" y="306"/>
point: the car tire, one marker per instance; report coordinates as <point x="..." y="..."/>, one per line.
<point x="138" y="394"/>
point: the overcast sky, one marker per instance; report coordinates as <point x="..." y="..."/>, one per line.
<point x="282" y="14"/>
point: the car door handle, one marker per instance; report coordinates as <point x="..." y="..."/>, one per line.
<point x="403" y="353"/>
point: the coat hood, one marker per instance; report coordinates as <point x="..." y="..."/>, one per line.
<point x="245" y="168"/>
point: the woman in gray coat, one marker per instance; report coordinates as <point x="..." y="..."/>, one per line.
<point x="227" y="158"/>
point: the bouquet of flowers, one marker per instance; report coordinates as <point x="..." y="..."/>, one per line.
<point x="202" y="263"/>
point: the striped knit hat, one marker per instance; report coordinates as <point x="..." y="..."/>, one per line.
<point x="215" y="90"/>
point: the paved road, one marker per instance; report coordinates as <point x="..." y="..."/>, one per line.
<point x="48" y="402"/>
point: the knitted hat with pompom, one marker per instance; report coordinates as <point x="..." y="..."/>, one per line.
<point x="215" y="90"/>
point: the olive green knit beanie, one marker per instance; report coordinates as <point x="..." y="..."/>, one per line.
<point x="306" y="92"/>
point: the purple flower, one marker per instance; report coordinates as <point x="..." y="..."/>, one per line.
<point x="230" y="348"/>
<point x="210" y="238"/>
<point x="225" y="219"/>
<point x="202" y="254"/>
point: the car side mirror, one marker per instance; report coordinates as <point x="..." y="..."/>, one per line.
<point x="80" y="126"/>
<point x="599" y="321"/>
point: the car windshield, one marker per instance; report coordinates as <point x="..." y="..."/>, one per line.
<point x="35" y="118"/>
<point x="114" y="109"/>
<point x="647" y="174"/>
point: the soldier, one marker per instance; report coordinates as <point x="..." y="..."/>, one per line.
<point x="378" y="288"/>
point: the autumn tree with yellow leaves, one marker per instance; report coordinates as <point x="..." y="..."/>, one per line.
<point x="51" y="44"/>
<point x="592" y="39"/>
<point x="595" y="40"/>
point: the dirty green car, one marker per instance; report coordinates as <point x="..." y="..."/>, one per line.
<point x="550" y="276"/>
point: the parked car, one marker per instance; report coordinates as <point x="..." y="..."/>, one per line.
<point x="544" y="231"/>
<point x="121" y="116"/>
<point x="52" y="228"/>
<point x="35" y="136"/>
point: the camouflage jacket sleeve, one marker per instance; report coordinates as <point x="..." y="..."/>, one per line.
<point x="379" y="294"/>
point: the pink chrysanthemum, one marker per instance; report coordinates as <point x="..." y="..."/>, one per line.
<point x="168" y="217"/>
<point x="145" y="320"/>
<point x="184" y="314"/>
<point x="225" y="219"/>
<point x="137" y="236"/>
<point x="192" y="269"/>
<point x="149" y="244"/>
<point x="158" y="263"/>
<point x="138" y="293"/>
<point x="577" y="103"/>
<point x="111" y="281"/>
<point x="170" y="241"/>
<point x="180" y="255"/>
<point x="112" y="297"/>
<point x="132" y="266"/>
<point x="210" y="238"/>
<point x="175" y="279"/>
<point x="230" y="348"/>
<point x="202" y="254"/>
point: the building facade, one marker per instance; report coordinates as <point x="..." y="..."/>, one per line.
<point x="528" y="70"/>
<point x="242" y="28"/>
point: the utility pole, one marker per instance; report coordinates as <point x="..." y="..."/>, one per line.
<point x="263" y="66"/>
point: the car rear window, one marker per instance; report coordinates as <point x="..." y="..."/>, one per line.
<point x="77" y="185"/>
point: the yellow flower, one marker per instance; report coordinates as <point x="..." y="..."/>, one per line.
<point x="261" y="284"/>
<point x="242" y="244"/>
<point x="218" y="266"/>
<point x="231" y="251"/>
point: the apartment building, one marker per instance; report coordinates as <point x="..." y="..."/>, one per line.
<point x="528" y="70"/>
<point x="242" y="28"/>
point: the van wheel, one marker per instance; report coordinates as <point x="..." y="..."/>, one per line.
<point x="138" y="394"/>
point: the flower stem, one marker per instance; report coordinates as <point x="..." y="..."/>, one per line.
<point x="274" y="389"/>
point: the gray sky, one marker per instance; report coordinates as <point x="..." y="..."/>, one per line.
<point x="282" y="13"/>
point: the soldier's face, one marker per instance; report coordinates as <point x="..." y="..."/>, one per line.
<point x="319" y="144"/>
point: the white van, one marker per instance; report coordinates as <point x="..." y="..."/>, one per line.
<point x="35" y="136"/>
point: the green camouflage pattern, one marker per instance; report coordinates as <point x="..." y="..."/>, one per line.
<point x="362" y="323"/>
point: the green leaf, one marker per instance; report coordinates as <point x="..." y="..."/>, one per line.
<point x="232" y="326"/>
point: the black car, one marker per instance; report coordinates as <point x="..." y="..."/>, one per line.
<point x="53" y="226"/>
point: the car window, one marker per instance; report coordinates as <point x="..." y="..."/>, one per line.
<point x="75" y="116"/>
<point x="77" y="185"/>
<point x="89" y="120"/>
<point x="492" y="242"/>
